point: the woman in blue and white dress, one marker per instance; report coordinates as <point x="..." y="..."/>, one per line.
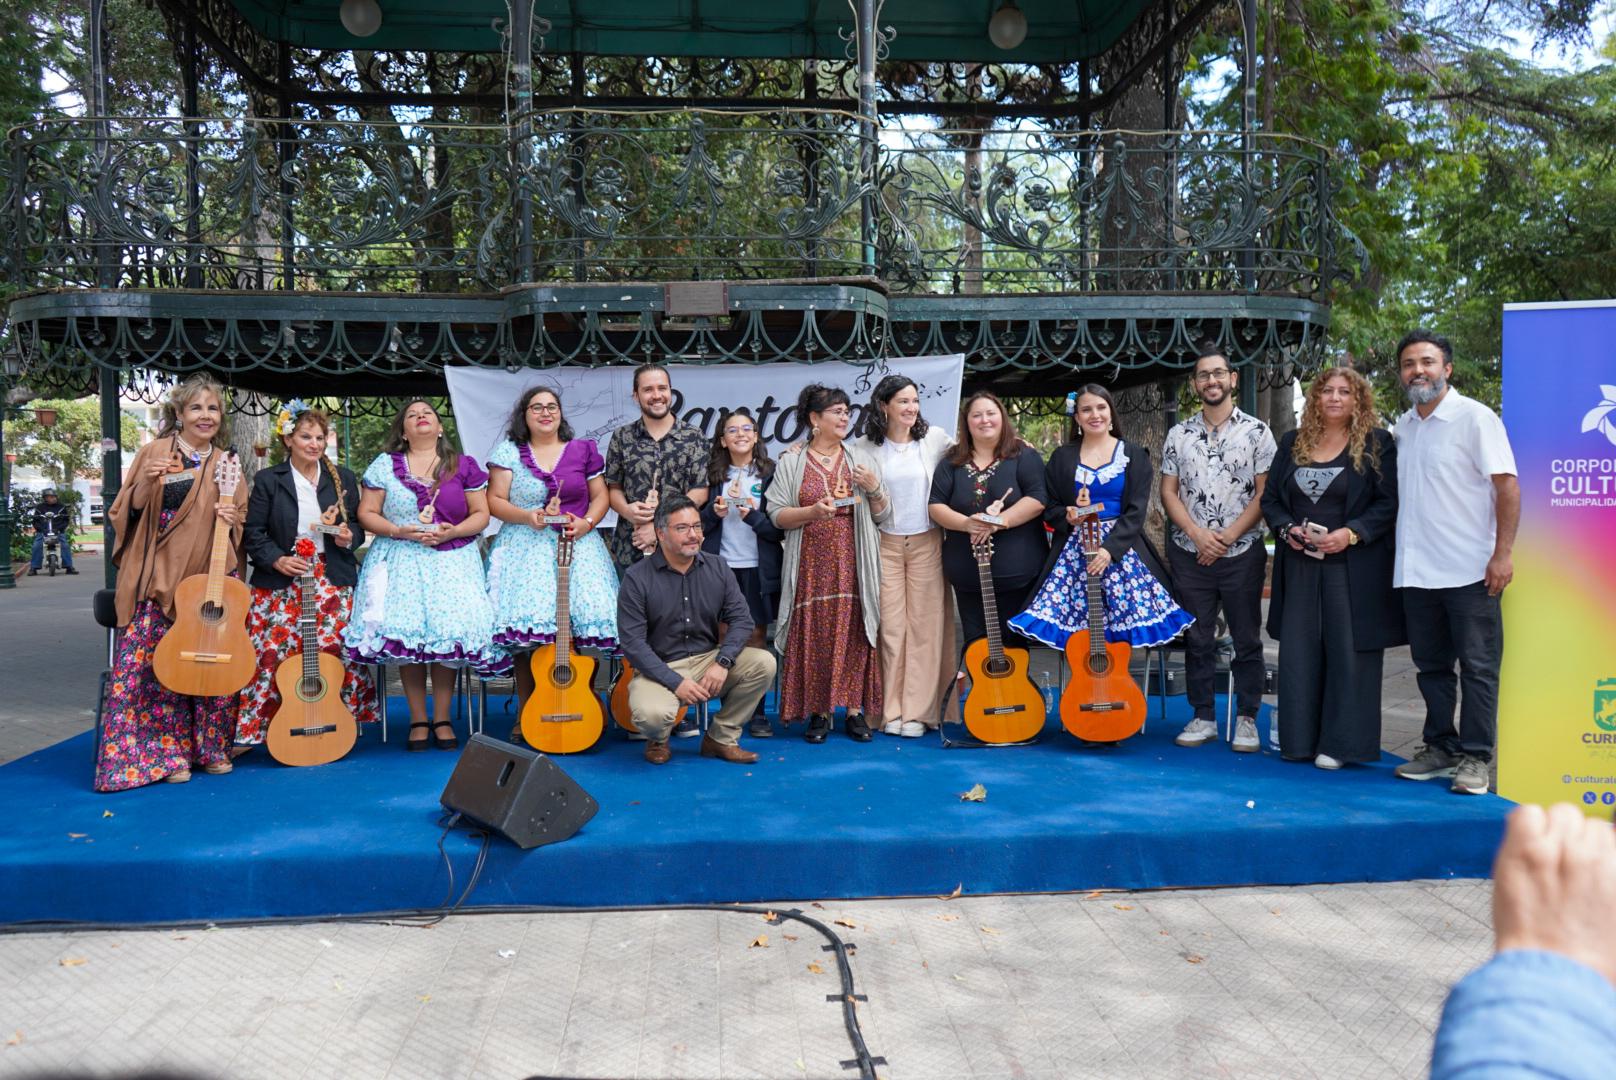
<point x="537" y="461"/>
<point x="422" y="601"/>
<point x="1139" y="609"/>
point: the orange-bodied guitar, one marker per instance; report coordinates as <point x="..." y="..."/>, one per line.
<point x="1003" y="706"/>
<point x="207" y="652"/>
<point x="562" y="715"/>
<point x="312" y="726"/>
<point x="619" y="701"/>
<point x="1102" y="703"/>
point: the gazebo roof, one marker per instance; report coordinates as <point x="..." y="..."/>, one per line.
<point x="1059" y="31"/>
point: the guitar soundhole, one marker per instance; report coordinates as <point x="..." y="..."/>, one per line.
<point x="1099" y="665"/>
<point x="212" y="612"/>
<point x="310" y="689"/>
<point x="561" y="676"/>
<point x="998" y="667"/>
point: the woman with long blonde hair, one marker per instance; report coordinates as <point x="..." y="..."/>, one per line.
<point x="1331" y="500"/>
<point x="163" y="523"/>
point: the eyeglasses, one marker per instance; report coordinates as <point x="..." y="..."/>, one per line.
<point x="744" y="429"/>
<point x="541" y="409"/>
<point x="1215" y="375"/>
<point x="684" y="530"/>
<point x="836" y="410"/>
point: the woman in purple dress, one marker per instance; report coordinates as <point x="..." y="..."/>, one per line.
<point x="422" y="601"/>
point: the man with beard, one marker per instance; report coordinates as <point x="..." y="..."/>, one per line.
<point x="648" y="460"/>
<point x="1213" y="469"/>
<point x="671" y="609"/>
<point x="1458" y="505"/>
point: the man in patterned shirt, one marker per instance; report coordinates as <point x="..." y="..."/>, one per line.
<point x="1213" y="469"/>
<point x="655" y="446"/>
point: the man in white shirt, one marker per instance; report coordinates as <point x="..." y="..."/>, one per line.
<point x="1459" y="503"/>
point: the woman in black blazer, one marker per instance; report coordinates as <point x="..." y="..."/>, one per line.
<point x="1331" y="499"/>
<point x="1100" y="467"/>
<point x="288" y="500"/>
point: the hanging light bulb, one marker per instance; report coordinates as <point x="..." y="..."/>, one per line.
<point x="362" y="18"/>
<point x="1008" y="27"/>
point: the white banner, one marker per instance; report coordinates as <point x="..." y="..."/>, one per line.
<point x="597" y="401"/>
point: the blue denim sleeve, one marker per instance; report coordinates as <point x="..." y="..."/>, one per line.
<point x="1528" y="1015"/>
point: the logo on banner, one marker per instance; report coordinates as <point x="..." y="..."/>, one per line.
<point x="1604" y="715"/>
<point x="1599" y="416"/>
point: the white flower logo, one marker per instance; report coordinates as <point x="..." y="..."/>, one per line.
<point x="1599" y="415"/>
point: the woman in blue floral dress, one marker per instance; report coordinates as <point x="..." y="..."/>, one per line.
<point x="539" y="461"/>
<point x="1115" y="474"/>
<point x="422" y="601"/>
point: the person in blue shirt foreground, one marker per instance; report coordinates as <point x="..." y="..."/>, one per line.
<point x="1545" y="1004"/>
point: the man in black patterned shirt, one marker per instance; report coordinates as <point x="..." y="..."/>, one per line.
<point x="1213" y="469"/>
<point x="656" y="446"/>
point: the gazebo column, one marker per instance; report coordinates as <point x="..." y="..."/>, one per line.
<point x="864" y="33"/>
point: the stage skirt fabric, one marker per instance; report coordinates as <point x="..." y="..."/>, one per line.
<point x="1139" y="609"/>
<point x="829" y="663"/>
<point x="272" y="623"/>
<point x="416" y="605"/>
<point x="147" y="730"/>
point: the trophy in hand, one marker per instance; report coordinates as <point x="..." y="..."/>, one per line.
<point x="994" y="513"/>
<point x="328" y="524"/>
<point x="553" y="514"/>
<point x="428" y="517"/>
<point x="842" y="492"/>
<point x="1083" y="508"/>
<point x="652" y="498"/>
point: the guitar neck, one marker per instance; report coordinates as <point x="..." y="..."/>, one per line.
<point x="1096" y="598"/>
<point x="563" y="640"/>
<point x="306" y="628"/>
<point x="219" y="562"/>
<point x="990" y="605"/>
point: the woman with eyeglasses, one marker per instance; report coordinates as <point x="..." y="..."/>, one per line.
<point x="829" y="500"/>
<point x="538" y="471"/>
<point x="917" y="613"/>
<point x="738" y="528"/>
<point x="422" y="602"/>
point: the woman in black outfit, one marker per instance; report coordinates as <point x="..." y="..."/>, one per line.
<point x="987" y="464"/>
<point x="1332" y="608"/>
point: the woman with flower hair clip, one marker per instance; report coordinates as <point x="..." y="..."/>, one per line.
<point x="288" y="501"/>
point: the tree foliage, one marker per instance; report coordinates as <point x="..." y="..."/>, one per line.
<point x="71" y="446"/>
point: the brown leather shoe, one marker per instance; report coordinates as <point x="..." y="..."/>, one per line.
<point x="657" y="752"/>
<point x="709" y="748"/>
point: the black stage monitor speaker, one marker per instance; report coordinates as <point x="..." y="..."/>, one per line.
<point x="517" y="792"/>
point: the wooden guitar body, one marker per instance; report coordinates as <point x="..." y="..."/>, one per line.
<point x="1102" y="703"/>
<point x="312" y="725"/>
<point x="1003" y="705"/>
<point x="619" y="701"/>
<point x="562" y="715"/>
<point x="207" y="652"/>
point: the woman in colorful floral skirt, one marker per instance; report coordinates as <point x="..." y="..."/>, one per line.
<point x="422" y="599"/>
<point x="288" y="501"/>
<point x="1098" y="467"/>
<point x="536" y="469"/>
<point x="164" y="519"/>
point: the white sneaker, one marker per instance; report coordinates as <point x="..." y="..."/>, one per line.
<point x="1245" y="736"/>
<point x="1197" y="732"/>
<point x="892" y="727"/>
<point x="912" y="729"/>
<point x="1325" y="761"/>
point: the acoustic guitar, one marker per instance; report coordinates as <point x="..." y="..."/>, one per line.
<point x="621" y="713"/>
<point x="207" y="652"/>
<point x="562" y="715"/>
<point x="1102" y="703"/>
<point x="312" y="726"/>
<point x="1003" y="705"/>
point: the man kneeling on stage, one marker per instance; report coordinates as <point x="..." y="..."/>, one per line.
<point x="669" y="608"/>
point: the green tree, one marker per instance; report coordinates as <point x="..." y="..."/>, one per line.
<point x="71" y="445"/>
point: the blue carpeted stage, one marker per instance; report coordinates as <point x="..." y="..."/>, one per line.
<point x="838" y="820"/>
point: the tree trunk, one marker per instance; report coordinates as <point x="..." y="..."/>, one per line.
<point x="252" y="428"/>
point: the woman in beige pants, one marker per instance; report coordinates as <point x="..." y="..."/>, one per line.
<point x="917" y="615"/>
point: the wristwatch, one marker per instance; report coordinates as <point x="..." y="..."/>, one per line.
<point x="1352" y="537"/>
<point x="725" y="662"/>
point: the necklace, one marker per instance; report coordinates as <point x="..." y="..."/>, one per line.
<point x="826" y="460"/>
<point x="431" y="469"/>
<point x="192" y="455"/>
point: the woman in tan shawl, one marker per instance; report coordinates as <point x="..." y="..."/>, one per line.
<point x="163" y="520"/>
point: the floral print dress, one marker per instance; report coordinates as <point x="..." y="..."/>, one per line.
<point x="1138" y="608"/>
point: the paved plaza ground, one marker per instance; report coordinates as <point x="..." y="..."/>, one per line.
<point x="1317" y="981"/>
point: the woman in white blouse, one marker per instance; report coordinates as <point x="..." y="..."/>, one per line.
<point x="917" y="617"/>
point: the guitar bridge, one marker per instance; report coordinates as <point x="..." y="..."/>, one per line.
<point x="1101" y="706"/>
<point x="560" y="718"/>
<point x="1002" y="710"/>
<point x="323" y="729"/>
<point x="207" y="657"/>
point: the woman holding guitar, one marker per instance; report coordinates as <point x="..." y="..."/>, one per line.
<point x="422" y="599"/>
<point x="540" y="471"/>
<point x="735" y="524"/>
<point x="1099" y="468"/>
<point x="990" y="464"/>
<point x="164" y="520"/>
<point x="828" y="501"/>
<point x="288" y="501"/>
<point x="1331" y="500"/>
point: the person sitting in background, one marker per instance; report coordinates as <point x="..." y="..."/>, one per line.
<point x="1545" y="1004"/>
<point x="53" y="516"/>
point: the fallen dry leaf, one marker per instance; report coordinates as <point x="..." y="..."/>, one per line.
<point x="424" y="998"/>
<point x="760" y="942"/>
<point x="957" y="890"/>
<point x="814" y="903"/>
<point x="1123" y="907"/>
<point x="106" y="813"/>
<point x="849" y="923"/>
<point x="15" y="1040"/>
<point x="769" y="917"/>
<point x="978" y="793"/>
<point x="946" y="918"/>
<point x="987" y="929"/>
<point x="73" y="961"/>
<point x="1095" y="895"/>
<point x="77" y="835"/>
<point x="1193" y="959"/>
<point x="816" y="969"/>
<point x="789" y="937"/>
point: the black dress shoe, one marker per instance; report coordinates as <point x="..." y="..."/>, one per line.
<point x="70" y="570"/>
<point x="759" y="727"/>
<point x="818" y="729"/>
<point x="857" y="729"/>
